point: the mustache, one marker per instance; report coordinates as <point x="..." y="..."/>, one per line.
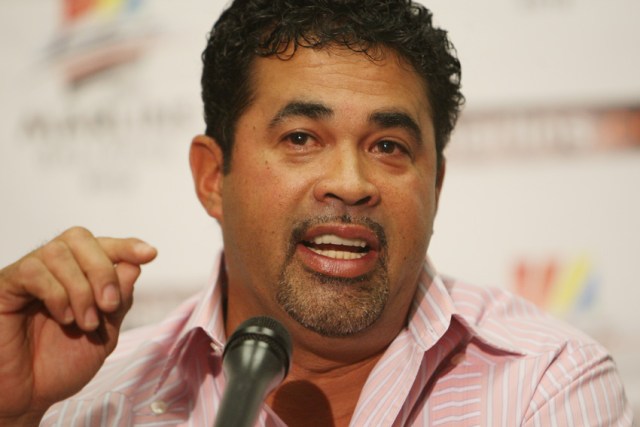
<point x="301" y="227"/>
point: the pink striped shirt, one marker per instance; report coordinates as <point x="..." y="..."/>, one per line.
<point x="469" y="356"/>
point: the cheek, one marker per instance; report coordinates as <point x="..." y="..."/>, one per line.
<point x="411" y="221"/>
<point x="260" y="201"/>
<point x="278" y="191"/>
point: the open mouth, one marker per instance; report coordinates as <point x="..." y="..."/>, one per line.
<point x="340" y="249"/>
<point x="332" y="246"/>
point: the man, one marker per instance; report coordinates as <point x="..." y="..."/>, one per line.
<point x="323" y="164"/>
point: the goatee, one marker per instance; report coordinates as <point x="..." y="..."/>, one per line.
<point x="333" y="306"/>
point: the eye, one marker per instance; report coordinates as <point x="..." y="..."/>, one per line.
<point x="297" y="138"/>
<point x="390" y="147"/>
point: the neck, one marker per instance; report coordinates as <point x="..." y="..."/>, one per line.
<point x="325" y="394"/>
<point x="327" y="374"/>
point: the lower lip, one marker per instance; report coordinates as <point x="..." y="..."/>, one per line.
<point x="346" y="268"/>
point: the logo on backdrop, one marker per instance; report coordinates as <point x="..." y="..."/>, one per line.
<point x="545" y="132"/>
<point x="96" y="36"/>
<point x="104" y="110"/>
<point x="565" y="288"/>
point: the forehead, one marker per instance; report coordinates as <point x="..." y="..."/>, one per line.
<point x="341" y="77"/>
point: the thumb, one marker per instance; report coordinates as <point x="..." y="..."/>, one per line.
<point x="127" y="276"/>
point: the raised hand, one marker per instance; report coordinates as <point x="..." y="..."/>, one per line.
<point x="61" y="307"/>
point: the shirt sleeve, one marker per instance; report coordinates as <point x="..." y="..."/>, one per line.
<point x="581" y="387"/>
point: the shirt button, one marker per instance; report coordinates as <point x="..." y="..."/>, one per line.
<point x="159" y="407"/>
<point x="457" y="359"/>
<point x="217" y="349"/>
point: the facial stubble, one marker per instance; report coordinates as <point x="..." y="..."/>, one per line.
<point x="333" y="306"/>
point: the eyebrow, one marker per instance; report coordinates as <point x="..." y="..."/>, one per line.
<point x="385" y="119"/>
<point x="397" y="119"/>
<point x="311" y="110"/>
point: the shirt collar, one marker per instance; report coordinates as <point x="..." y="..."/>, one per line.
<point x="434" y="309"/>
<point x="429" y="320"/>
<point x="206" y="316"/>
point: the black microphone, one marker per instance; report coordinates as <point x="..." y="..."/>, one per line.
<point x="256" y="359"/>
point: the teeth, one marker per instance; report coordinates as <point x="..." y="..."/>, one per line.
<point x="332" y="239"/>
<point x="335" y="240"/>
<point x="338" y="254"/>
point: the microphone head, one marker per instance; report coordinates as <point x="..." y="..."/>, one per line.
<point x="267" y="330"/>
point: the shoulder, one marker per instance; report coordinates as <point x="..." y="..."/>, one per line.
<point x="498" y="316"/>
<point x="559" y="370"/>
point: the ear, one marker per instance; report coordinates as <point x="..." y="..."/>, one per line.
<point x="442" y="166"/>
<point x="206" y="160"/>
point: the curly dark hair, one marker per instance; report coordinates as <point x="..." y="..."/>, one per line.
<point x="251" y="28"/>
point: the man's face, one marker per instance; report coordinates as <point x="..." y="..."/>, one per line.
<point x="328" y="208"/>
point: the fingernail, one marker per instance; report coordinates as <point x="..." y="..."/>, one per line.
<point x="68" y="316"/>
<point x="110" y="296"/>
<point x="91" y="318"/>
<point x="144" y="249"/>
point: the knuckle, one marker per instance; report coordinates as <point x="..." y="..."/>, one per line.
<point x="77" y="232"/>
<point x="56" y="250"/>
<point x="58" y="295"/>
<point x="29" y="269"/>
<point x="102" y="276"/>
<point x="80" y="294"/>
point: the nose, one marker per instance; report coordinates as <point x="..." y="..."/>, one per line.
<point x="347" y="179"/>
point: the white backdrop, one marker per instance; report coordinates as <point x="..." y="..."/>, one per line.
<point x="109" y="151"/>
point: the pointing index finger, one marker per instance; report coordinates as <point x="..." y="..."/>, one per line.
<point x="131" y="250"/>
